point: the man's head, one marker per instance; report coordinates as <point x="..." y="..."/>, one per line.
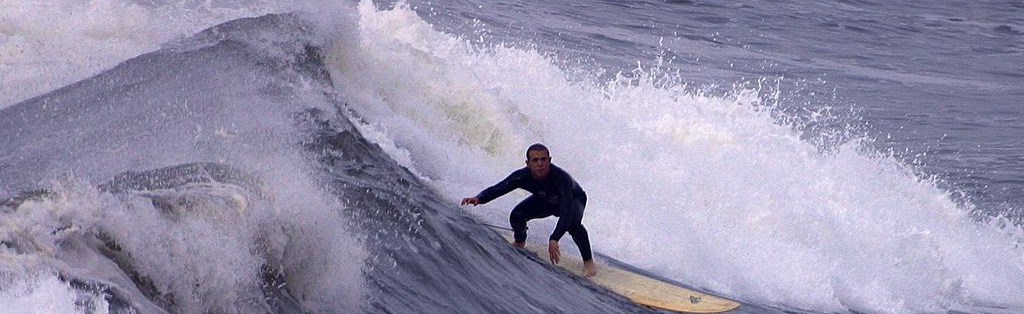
<point x="538" y="159"/>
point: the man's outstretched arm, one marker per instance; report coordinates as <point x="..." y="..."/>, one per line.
<point x="501" y="188"/>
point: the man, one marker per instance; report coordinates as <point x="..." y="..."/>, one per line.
<point x="555" y="193"/>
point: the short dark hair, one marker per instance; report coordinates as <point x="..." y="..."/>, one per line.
<point x="537" y="147"/>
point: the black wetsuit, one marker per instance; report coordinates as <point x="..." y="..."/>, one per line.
<point x="557" y="195"/>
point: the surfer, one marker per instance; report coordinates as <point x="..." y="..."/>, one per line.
<point x="555" y="193"/>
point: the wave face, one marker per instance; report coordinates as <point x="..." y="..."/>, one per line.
<point x="207" y="208"/>
<point x="311" y="163"/>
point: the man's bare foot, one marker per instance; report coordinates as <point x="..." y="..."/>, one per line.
<point x="519" y="244"/>
<point x="589" y="268"/>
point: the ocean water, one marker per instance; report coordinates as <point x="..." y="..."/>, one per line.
<point x="206" y="157"/>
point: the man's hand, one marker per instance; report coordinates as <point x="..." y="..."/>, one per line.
<point x="553" y="251"/>
<point x="470" y="200"/>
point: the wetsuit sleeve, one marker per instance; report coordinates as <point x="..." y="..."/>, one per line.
<point x="571" y="212"/>
<point x="510" y="183"/>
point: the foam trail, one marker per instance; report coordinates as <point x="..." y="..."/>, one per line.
<point x="709" y="190"/>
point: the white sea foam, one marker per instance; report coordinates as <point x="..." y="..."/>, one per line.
<point x="708" y="190"/>
<point x="47" y="44"/>
<point x="203" y="249"/>
<point x="45" y="294"/>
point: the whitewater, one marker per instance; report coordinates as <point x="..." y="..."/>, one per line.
<point x="206" y="157"/>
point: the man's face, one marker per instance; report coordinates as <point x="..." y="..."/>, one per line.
<point x="539" y="163"/>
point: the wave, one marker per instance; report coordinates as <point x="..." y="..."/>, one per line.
<point x="712" y="190"/>
<point x="288" y="164"/>
<point x="222" y="174"/>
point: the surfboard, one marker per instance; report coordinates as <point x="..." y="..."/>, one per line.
<point x="637" y="287"/>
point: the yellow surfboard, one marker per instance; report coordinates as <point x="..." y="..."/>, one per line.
<point x="637" y="287"/>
